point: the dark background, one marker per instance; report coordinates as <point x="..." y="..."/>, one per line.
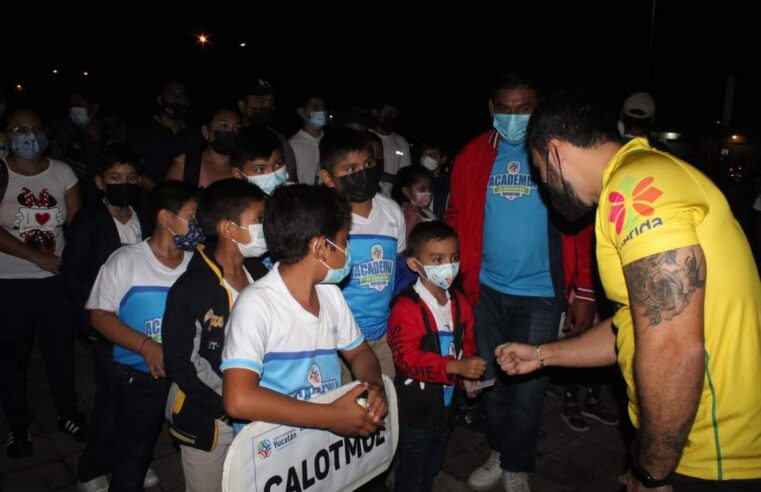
<point x="438" y="62"/>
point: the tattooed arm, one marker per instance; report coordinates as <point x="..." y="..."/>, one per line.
<point x="666" y="294"/>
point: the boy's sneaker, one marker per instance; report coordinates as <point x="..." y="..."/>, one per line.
<point x="19" y="442"/>
<point x="515" y="482"/>
<point x="488" y="475"/>
<point x="571" y="415"/>
<point x="151" y="479"/>
<point x="74" y="425"/>
<point x="97" y="484"/>
<point x="598" y="411"/>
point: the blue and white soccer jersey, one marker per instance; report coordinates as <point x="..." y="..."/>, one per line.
<point x="134" y="285"/>
<point x="374" y="242"/>
<point x="293" y="351"/>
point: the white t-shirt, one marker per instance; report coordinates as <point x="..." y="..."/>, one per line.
<point x="396" y="152"/>
<point x="134" y="285"/>
<point x="234" y="293"/>
<point x="34" y="211"/>
<point x="129" y="233"/>
<point x="307" y="151"/>
<point x="441" y="314"/>
<point x="293" y="351"/>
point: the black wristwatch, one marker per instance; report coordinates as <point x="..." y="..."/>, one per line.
<point x="646" y="479"/>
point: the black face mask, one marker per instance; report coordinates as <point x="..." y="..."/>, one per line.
<point x="175" y="111"/>
<point x="565" y="202"/>
<point x="362" y="185"/>
<point x="261" y="116"/>
<point x="122" y="194"/>
<point x="223" y="142"/>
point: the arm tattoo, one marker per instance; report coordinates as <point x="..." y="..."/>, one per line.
<point x="661" y="286"/>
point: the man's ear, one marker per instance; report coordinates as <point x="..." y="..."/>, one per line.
<point x="99" y="183"/>
<point x="491" y="107"/>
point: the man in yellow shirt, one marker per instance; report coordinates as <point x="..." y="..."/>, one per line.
<point x="687" y="331"/>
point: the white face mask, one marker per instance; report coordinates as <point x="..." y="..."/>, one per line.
<point x="268" y="182"/>
<point x="79" y="116"/>
<point x="256" y="245"/>
<point x="429" y="163"/>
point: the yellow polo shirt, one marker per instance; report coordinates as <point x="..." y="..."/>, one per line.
<point x="653" y="202"/>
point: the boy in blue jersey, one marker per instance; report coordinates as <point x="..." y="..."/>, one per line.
<point x="377" y="234"/>
<point x="284" y="332"/>
<point x="127" y="307"/>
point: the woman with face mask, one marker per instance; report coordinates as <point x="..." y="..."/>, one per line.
<point x="203" y="167"/>
<point x="42" y="196"/>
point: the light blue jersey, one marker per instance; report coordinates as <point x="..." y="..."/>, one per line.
<point x="515" y="244"/>
<point x="374" y="241"/>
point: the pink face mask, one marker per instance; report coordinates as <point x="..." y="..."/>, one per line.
<point x="422" y="199"/>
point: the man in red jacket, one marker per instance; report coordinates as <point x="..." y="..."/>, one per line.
<point x="517" y="269"/>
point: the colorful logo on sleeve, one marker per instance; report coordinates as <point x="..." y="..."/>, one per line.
<point x="633" y="202"/>
<point x="264" y="449"/>
<point x="512" y="184"/>
<point x="376" y="273"/>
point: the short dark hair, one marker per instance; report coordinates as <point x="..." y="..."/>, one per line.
<point x="518" y="78"/>
<point x="225" y="199"/>
<point x="340" y="141"/>
<point x="408" y="176"/>
<point x="219" y="109"/>
<point x="254" y="142"/>
<point x="119" y="153"/>
<point x="312" y="93"/>
<point x="172" y="195"/>
<point x="427" y="231"/>
<point x="296" y="214"/>
<point x="574" y="117"/>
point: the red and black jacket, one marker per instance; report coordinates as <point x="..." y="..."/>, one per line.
<point x="420" y="368"/>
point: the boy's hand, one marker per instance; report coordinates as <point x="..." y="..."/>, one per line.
<point x="377" y="406"/>
<point x="470" y="368"/>
<point x="154" y="357"/>
<point x="350" y="419"/>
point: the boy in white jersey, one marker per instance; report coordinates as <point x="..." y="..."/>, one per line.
<point x="127" y="307"/>
<point x="284" y="332"/>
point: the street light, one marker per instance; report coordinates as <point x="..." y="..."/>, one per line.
<point x="55" y="71"/>
<point x="203" y="39"/>
<point x="243" y="45"/>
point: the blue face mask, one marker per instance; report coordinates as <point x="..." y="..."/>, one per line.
<point x="335" y="276"/>
<point x="512" y="127"/>
<point x="441" y="275"/>
<point x="29" y="146"/>
<point x="318" y="119"/>
<point x="192" y="238"/>
<point x="268" y="182"/>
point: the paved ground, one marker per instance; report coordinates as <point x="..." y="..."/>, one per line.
<point x="567" y="460"/>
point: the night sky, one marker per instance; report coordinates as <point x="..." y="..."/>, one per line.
<point x="439" y="64"/>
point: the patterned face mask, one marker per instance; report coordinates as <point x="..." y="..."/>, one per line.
<point x="192" y="238"/>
